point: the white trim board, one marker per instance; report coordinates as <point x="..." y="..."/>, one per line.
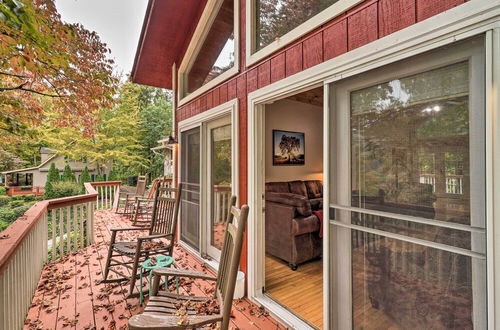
<point x="208" y="16"/>
<point x="314" y="22"/>
<point x="469" y="19"/>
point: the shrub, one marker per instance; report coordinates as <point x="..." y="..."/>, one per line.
<point x="100" y="178"/>
<point x="4" y="200"/>
<point x="16" y="203"/>
<point x="7" y="215"/>
<point x="3" y="191"/>
<point x="26" y="198"/>
<point x="26" y="188"/>
<point x="85" y="177"/>
<point x="52" y="177"/>
<point x="68" y="174"/>
<point x="63" y="189"/>
<point x="3" y="225"/>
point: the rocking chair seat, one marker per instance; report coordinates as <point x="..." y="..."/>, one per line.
<point x="162" y="311"/>
<point x="125" y="247"/>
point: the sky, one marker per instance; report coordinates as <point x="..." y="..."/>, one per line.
<point x="117" y="22"/>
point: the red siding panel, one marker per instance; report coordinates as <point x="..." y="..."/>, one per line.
<point x="395" y="15"/>
<point x="223" y="94"/>
<point x="252" y="80"/>
<point x="428" y="8"/>
<point x="362" y="27"/>
<point x="264" y="74"/>
<point x="231" y="89"/>
<point x="335" y="40"/>
<point x="293" y="60"/>
<point x="313" y="50"/>
<point x="242" y="85"/>
<point x="215" y="97"/>
<point x="278" y="67"/>
<point x="210" y="103"/>
<point x="203" y="103"/>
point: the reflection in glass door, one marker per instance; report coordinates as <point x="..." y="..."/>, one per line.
<point x="408" y="199"/>
<point x="190" y="179"/>
<point x="219" y="181"/>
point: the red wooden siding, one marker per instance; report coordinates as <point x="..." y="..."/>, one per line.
<point x="428" y="8"/>
<point x="395" y="15"/>
<point x="313" y="50"/>
<point x="293" y="60"/>
<point x="335" y="40"/>
<point x="361" y="25"/>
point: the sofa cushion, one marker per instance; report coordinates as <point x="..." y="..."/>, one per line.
<point x="279" y="187"/>
<point x="300" y="203"/>
<point x="305" y="225"/>
<point x="314" y="188"/>
<point x="298" y="187"/>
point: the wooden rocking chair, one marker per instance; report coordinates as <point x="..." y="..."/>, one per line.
<point x="142" y="208"/>
<point x="130" y="255"/>
<point x="172" y="311"/>
<point x="126" y="199"/>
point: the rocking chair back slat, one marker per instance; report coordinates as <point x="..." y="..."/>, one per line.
<point x="229" y="261"/>
<point x="140" y="189"/>
<point x="165" y="211"/>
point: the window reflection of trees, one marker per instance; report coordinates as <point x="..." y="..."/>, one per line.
<point x="275" y="18"/>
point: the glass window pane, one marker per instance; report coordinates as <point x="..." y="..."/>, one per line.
<point x="190" y="176"/>
<point x="410" y="145"/>
<point x="401" y="285"/>
<point x="275" y="18"/>
<point x="216" y="55"/>
<point x="221" y="182"/>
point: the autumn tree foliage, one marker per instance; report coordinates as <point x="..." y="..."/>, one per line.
<point x="45" y="62"/>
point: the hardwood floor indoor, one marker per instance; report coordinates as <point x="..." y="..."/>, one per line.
<point x="300" y="290"/>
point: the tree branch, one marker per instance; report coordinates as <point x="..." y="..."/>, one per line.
<point x="13" y="75"/>
<point x="22" y="88"/>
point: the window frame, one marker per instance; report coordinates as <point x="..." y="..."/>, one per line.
<point x="253" y="56"/>
<point x="207" y="18"/>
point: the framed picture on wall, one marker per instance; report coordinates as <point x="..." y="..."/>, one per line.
<point x="288" y="148"/>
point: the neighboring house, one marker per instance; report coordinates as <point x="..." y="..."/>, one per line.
<point x="37" y="176"/>
<point x="364" y="136"/>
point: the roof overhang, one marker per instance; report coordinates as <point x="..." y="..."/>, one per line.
<point x="166" y="32"/>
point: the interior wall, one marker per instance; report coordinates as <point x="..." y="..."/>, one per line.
<point x="290" y="115"/>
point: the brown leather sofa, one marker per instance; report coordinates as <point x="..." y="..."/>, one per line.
<point x="292" y="230"/>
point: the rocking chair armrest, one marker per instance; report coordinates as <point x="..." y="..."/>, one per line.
<point x="149" y="237"/>
<point x="127" y="229"/>
<point x="162" y="271"/>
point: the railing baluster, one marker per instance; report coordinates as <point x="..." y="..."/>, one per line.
<point x="68" y="229"/>
<point x="75" y="228"/>
<point x="61" y="245"/>
<point x="81" y="225"/>
<point x="54" y="229"/>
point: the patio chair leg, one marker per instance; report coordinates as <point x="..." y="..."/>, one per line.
<point x="110" y="253"/>
<point x="133" y="275"/>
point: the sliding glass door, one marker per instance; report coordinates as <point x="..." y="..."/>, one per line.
<point x="219" y="176"/>
<point x="407" y="194"/>
<point x="190" y="179"/>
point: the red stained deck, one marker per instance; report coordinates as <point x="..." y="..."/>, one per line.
<point x="70" y="295"/>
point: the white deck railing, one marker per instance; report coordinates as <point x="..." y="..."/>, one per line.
<point x="222" y="198"/>
<point x="27" y="244"/>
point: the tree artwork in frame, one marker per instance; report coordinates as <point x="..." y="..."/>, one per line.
<point x="288" y="148"/>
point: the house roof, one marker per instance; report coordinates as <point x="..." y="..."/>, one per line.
<point x="31" y="168"/>
<point x="166" y="31"/>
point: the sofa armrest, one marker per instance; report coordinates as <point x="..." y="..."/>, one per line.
<point x="301" y="203"/>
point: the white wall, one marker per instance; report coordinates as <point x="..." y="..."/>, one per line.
<point x="289" y="115"/>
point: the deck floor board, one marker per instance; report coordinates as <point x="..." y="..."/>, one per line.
<point x="78" y="299"/>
